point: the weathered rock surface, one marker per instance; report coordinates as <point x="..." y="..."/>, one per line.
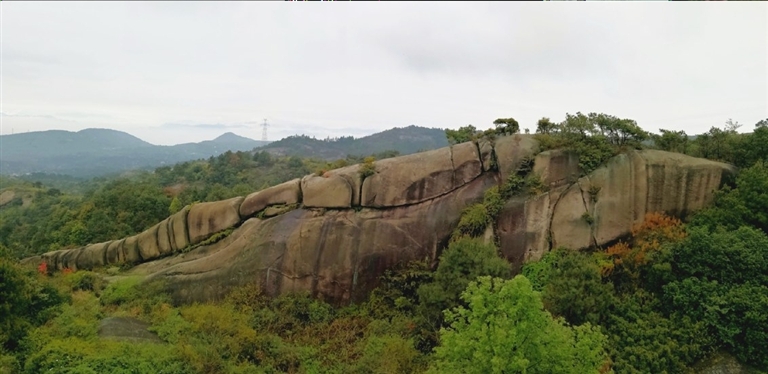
<point x="510" y="152"/>
<point x="93" y="256"/>
<point x="419" y="177"/>
<point x="613" y="198"/>
<point x="337" y="255"/>
<point x="147" y="243"/>
<point x="327" y="191"/>
<point x="406" y="210"/>
<point x="206" y="219"/>
<point x="284" y="193"/>
<point x="130" y="250"/>
<point x="178" y="234"/>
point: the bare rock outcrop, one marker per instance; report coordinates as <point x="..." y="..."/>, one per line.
<point x="420" y="177"/>
<point x="604" y="206"/>
<point x="206" y="219"/>
<point x="284" y="193"/>
<point x="335" y="234"/>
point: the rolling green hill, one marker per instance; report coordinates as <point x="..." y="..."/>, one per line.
<point x="405" y="140"/>
<point x="95" y="152"/>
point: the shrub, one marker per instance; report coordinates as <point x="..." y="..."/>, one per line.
<point x="473" y="221"/>
<point x="367" y="168"/>
<point x="593" y="191"/>
<point x="85" y="281"/>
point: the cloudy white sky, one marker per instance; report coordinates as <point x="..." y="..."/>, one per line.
<point x="176" y="72"/>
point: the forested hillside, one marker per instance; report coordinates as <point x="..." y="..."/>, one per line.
<point x="98" y="152"/>
<point x="673" y="296"/>
<point x="404" y="140"/>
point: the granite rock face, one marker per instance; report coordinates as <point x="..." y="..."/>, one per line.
<point x="335" y="234"/>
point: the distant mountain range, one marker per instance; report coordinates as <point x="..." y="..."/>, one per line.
<point x="405" y="140"/>
<point x="96" y="152"/>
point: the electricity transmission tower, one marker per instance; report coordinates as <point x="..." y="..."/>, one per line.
<point x="264" y="131"/>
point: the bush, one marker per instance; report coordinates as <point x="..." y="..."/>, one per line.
<point x="122" y="291"/>
<point x="367" y="168"/>
<point x="389" y="354"/>
<point x="85" y="281"/>
<point x="473" y="221"/>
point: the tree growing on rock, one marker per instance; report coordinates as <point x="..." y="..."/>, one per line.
<point x="462" y="135"/>
<point x="545" y="126"/>
<point x="672" y="141"/>
<point x="506" y="126"/>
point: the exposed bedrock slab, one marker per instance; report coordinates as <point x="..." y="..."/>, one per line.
<point x="337" y="256"/>
<point x="327" y="191"/>
<point x="206" y="219"/>
<point x="512" y="150"/>
<point x="420" y="177"/>
<point x="614" y="198"/>
<point x="284" y="193"/>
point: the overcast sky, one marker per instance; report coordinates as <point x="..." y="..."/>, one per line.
<point x="177" y="72"/>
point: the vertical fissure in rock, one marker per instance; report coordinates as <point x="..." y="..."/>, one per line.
<point x="300" y="193"/>
<point x="186" y="225"/>
<point x="586" y="210"/>
<point x="453" y="167"/>
<point x="479" y="155"/>
<point x="551" y="235"/>
<point x="157" y="239"/>
<point x="104" y="253"/>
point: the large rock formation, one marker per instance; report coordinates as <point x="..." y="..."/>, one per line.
<point x="334" y="234"/>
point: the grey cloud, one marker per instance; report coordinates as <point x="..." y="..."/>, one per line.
<point x="358" y="68"/>
<point x="216" y="126"/>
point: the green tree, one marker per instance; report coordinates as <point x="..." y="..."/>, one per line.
<point x="27" y="299"/>
<point x="672" y="141"/>
<point x="754" y="146"/>
<point x="505" y="329"/>
<point x="175" y="205"/>
<point x="506" y="126"/>
<point x="575" y="289"/>
<point x="462" y="262"/>
<point x="545" y="126"/>
<point x="463" y="134"/>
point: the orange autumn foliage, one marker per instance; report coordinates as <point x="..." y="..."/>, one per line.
<point x="646" y="237"/>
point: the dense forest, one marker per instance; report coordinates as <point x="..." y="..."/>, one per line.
<point x="673" y="294"/>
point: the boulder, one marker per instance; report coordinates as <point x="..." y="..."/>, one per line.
<point x="327" y="191"/>
<point x="68" y="259"/>
<point x="164" y="237"/>
<point x="130" y="250"/>
<point x="147" y="242"/>
<point x="512" y="150"/>
<point x="420" y="177"/>
<point x="178" y="233"/>
<point x="52" y="259"/>
<point x="556" y="167"/>
<point x="114" y="253"/>
<point x="285" y="193"/>
<point x="93" y="256"/>
<point x="206" y="219"/>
